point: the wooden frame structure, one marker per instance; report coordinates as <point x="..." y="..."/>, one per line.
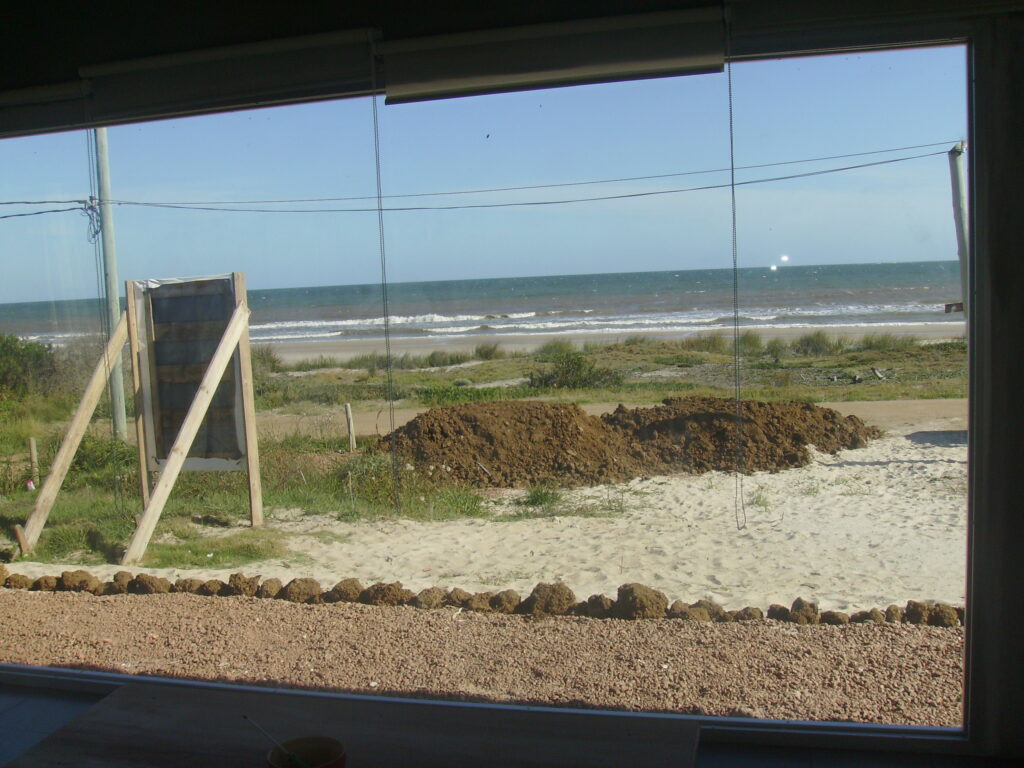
<point x="235" y="337"/>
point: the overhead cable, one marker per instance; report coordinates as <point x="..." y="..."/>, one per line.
<point x="526" y="203"/>
<point x="39" y="213"/>
<point x="550" y="186"/>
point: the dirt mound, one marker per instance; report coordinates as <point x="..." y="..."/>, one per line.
<point x="524" y="443"/>
<point x="515" y="445"/>
<point x="698" y="434"/>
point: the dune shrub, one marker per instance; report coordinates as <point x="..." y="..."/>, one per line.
<point x="25" y="366"/>
<point x="714" y="343"/>
<point x="488" y="352"/>
<point x="817" y="344"/>
<point x="574" y="371"/>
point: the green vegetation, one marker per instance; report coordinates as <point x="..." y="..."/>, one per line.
<point x="488" y="352"/>
<point x="573" y="370"/>
<point x="713" y="343"/>
<point x="550" y="351"/>
<point x="540" y="496"/>
<point x="544" y="501"/>
<point x="817" y="344"/>
<point x="24" y="366"/>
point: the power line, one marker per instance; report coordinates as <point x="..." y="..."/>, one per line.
<point x="527" y="203"/>
<point x="38" y="213"/>
<point x="41" y="202"/>
<point x="547" y="186"/>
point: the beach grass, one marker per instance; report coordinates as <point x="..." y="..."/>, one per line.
<point x="545" y="501"/>
<point x="812" y="367"/>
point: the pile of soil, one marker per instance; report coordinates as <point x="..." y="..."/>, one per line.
<point x="698" y="434"/>
<point x="515" y="445"/>
<point x="525" y="443"/>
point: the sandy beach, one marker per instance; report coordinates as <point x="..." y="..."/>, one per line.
<point x="864" y="528"/>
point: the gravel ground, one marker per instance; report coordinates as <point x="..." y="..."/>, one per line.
<point x="885" y="673"/>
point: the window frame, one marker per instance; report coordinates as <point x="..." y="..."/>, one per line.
<point x="994" y="671"/>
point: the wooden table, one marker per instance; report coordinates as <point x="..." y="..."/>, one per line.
<point x="152" y="725"/>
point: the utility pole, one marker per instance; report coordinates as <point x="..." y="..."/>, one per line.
<point x="113" y="291"/>
<point x="956" y="177"/>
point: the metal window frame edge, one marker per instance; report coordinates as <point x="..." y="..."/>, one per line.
<point x="982" y="734"/>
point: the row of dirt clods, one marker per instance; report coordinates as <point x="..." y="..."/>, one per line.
<point x="518" y="444"/>
<point x="634" y="601"/>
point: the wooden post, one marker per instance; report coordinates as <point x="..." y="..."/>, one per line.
<point x="351" y="428"/>
<point x="960" y="220"/>
<point x="33" y="458"/>
<point x="140" y="419"/>
<point x="28" y="536"/>
<point x="252" y="450"/>
<point x="187" y="434"/>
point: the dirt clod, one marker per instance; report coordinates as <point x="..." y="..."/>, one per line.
<point x="803" y="612"/>
<point x="943" y="616"/>
<point x="548" y="600"/>
<point x="386" y="594"/>
<point x="916" y="613"/>
<point x="213" y="588"/>
<point x="599" y="606"/>
<point x="458" y="597"/>
<point x="836" y="618"/>
<point x="188" y="586"/>
<point x="750" y="613"/>
<point x="345" y="591"/>
<point x="430" y="598"/>
<point x="17" y="581"/>
<point x="270" y="588"/>
<point x="147" y="584"/>
<point x="301" y="591"/>
<point x="637" y="601"/>
<point x="524" y="443"/>
<point x="240" y="584"/>
<point x="78" y="581"/>
<point x="680" y="610"/>
<point x="44" y="584"/>
<point x="714" y="611"/>
<point x="506" y="601"/>
<point x="481" y="601"/>
<point x="894" y="614"/>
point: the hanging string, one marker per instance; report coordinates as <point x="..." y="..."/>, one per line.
<point x="739" y="502"/>
<point x="389" y="368"/>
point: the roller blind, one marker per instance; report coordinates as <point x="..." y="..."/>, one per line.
<point x="550" y="55"/>
<point x="196" y="82"/>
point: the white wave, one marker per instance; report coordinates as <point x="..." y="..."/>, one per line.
<point x="394" y="320"/>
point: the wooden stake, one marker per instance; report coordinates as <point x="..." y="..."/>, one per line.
<point x="351" y="428"/>
<point x="140" y="418"/>
<point x="76" y="431"/>
<point x="252" y="450"/>
<point x="33" y="457"/>
<point x="187" y="434"/>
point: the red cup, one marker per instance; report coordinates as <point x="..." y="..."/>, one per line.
<point x="311" y="751"/>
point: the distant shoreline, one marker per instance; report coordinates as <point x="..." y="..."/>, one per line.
<point x="346" y="348"/>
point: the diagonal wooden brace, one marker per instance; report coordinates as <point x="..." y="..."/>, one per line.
<point x="28" y="536"/>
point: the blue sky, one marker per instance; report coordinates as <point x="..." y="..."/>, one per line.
<point x="784" y="110"/>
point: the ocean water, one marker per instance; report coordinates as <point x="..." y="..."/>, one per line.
<point x="874" y="296"/>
